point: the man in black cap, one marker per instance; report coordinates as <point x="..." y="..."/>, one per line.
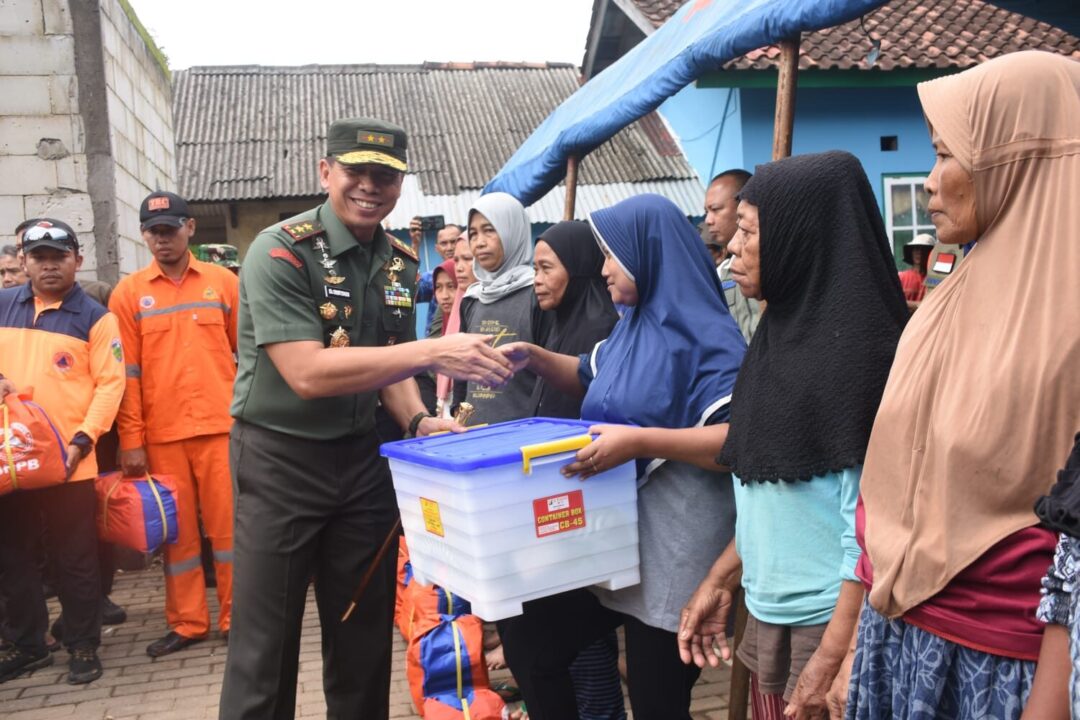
<point x="67" y="347"/>
<point x="326" y="310"/>
<point x="177" y="321"/>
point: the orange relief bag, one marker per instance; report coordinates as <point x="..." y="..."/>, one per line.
<point x="32" y="455"/>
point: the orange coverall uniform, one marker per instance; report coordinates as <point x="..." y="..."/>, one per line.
<point x="179" y="349"/>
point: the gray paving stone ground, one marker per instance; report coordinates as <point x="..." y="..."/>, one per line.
<point x="186" y="685"/>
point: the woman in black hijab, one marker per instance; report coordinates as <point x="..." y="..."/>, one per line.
<point x="568" y="281"/>
<point x="810" y="242"/>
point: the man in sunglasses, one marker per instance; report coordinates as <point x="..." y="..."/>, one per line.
<point x="65" y="346"/>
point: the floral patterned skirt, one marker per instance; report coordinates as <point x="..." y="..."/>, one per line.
<point x="902" y="672"/>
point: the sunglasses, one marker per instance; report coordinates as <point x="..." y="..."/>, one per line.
<point x="55" y="234"/>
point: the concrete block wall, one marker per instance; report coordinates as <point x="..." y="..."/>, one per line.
<point x="42" y="153"/>
<point x="47" y="149"/>
<point x="139" y="98"/>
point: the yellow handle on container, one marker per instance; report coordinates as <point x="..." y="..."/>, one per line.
<point x="552" y="447"/>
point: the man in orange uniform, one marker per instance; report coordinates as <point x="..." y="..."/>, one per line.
<point x="58" y="341"/>
<point x="178" y="319"/>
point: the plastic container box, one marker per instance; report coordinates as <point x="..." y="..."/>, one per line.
<point x="488" y="516"/>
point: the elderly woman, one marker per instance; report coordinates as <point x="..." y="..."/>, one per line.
<point x="501" y="303"/>
<point x="980" y="408"/>
<point x="666" y="372"/>
<point x="810" y="242"/>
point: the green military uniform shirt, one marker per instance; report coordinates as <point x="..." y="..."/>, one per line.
<point x="944" y="259"/>
<point x="308" y="278"/>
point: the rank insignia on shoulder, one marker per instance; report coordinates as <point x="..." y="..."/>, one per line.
<point x="328" y="311"/>
<point x="303" y="230"/>
<point x="282" y="254"/>
<point x="339" y="338"/>
<point x="402" y="247"/>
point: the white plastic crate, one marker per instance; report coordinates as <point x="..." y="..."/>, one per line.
<point x="480" y="525"/>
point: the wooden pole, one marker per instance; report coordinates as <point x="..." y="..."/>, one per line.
<point x="739" y="697"/>
<point x="786" y="82"/>
<point x="571" y="186"/>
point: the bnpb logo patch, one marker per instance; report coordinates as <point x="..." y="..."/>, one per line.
<point x="63" y="361"/>
<point x="18" y="437"/>
<point x="146" y="302"/>
<point x="117" y="350"/>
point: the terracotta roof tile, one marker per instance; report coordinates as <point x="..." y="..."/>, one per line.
<point x="913" y="34"/>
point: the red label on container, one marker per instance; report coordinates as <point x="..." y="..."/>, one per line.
<point x="559" y="513"/>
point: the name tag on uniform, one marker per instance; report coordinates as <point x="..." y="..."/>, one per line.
<point x="336" y="292"/>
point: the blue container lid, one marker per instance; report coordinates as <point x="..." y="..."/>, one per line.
<point x="484" y="447"/>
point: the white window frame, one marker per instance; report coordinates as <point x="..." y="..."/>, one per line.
<point x="910" y="180"/>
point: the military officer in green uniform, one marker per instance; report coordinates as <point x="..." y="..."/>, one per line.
<point x="227" y="256"/>
<point x="326" y="331"/>
<point x="944" y="259"/>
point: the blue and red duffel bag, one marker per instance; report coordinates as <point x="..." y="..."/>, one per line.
<point x="139" y="513"/>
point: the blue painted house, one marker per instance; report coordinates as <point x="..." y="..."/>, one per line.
<point x="856" y="89"/>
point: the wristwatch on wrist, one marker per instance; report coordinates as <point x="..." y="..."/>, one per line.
<point x="414" y="424"/>
<point x="83" y="441"/>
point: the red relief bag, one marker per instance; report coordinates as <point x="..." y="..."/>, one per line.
<point x="32" y="455"/>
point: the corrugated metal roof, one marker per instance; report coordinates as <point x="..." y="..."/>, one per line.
<point x="251" y="132"/>
<point x="687" y="194"/>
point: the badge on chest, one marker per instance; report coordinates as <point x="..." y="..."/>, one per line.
<point x="397" y="295"/>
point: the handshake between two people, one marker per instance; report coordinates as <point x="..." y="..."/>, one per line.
<point x="475" y="358"/>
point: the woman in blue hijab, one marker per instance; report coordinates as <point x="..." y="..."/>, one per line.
<point x="668" y="369"/>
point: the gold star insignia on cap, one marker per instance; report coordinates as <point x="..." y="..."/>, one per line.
<point x="374" y="137"/>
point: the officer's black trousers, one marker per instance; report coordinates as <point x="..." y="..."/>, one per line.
<point x="304" y="509"/>
<point x="68" y="513"/>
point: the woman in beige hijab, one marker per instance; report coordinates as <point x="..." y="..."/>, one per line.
<point x="981" y="405"/>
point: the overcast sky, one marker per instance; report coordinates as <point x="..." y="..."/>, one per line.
<point x="291" y="32"/>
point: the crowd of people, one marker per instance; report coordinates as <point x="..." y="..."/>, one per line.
<point x="873" y="469"/>
<point x="108" y="366"/>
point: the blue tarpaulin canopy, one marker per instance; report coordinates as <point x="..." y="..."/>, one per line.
<point x="701" y="36"/>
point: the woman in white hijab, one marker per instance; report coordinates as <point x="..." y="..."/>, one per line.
<point x="501" y="304"/>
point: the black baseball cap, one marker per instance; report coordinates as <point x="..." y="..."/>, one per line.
<point x="46" y="232"/>
<point x="359" y="141"/>
<point x="163" y="208"/>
